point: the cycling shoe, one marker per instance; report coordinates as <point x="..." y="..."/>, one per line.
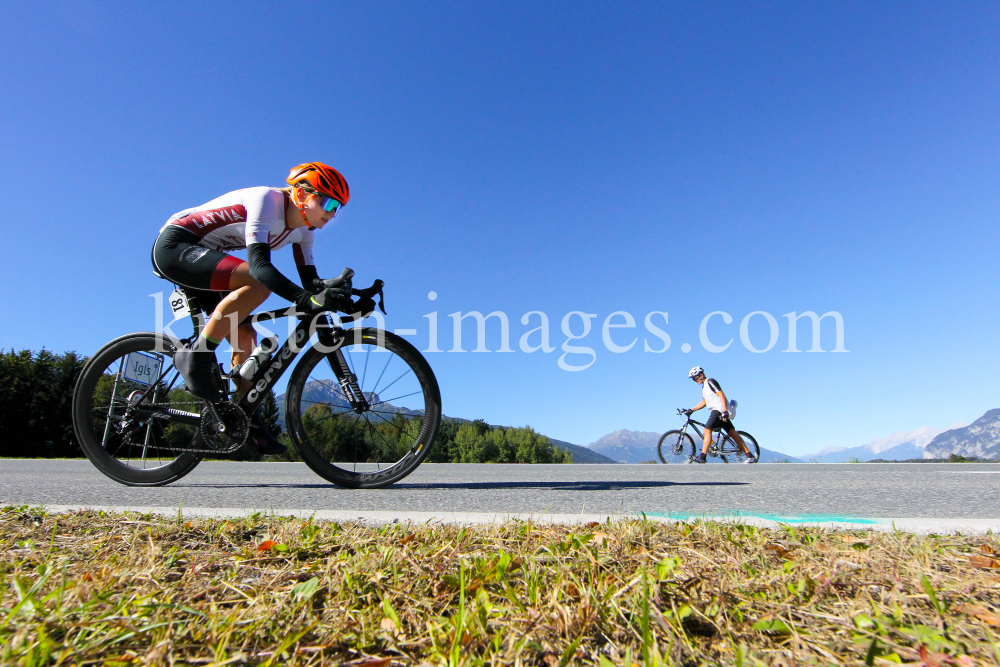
<point x="199" y="368"/>
<point x="266" y="443"/>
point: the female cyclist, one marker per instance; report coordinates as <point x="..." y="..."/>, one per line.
<point x="191" y="251"/>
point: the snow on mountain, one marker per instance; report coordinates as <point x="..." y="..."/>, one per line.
<point x="918" y="438"/>
<point x="903" y="452"/>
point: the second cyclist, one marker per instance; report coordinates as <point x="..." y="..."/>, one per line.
<point x="714" y="398"/>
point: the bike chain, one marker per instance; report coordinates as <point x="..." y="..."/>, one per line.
<point x="188" y="449"/>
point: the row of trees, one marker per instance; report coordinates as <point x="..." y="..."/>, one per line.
<point x="346" y="437"/>
<point x="36" y="396"/>
<point x="460" y="441"/>
<point x="36" y="401"/>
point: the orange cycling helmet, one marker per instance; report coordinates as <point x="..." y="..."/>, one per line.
<point x="317" y="178"/>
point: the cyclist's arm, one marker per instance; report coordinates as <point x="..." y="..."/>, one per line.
<point x="725" y="402"/>
<point x="304" y="263"/>
<point x="262" y="270"/>
<point x="699" y="406"/>
<point x="307" y="274"/>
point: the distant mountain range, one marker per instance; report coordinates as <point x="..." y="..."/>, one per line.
<point x="626" y="446"/>
<point x="901" y="452"/>
<point x="581" y="454"/>
<point x="898" y="446"/>
<point x="980" y="439"/>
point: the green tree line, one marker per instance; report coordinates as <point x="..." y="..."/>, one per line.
<point x="460" y="441"/>
<point x="457" y="441"/>
<point x="36" y="397"/>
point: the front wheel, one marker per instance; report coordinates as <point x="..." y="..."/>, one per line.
<point x="370" y="446"/>
<point x="675" y="447"/>
<point x="120" y="412"/>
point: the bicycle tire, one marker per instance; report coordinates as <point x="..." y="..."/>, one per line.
<point x="751" y="443"/>
<point x="381" y="445"/>
<point x="675" y="447"/>
<point x="94" y="413"/>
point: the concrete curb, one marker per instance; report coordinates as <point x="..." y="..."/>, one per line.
<point x="904" y="524"/>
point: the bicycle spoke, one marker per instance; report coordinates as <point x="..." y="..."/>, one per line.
<point x="332" y="387"/>
<point x="390" y="400"/>
<point x="326" y="418"/>
<point x="399" y="429"/>
<point x="384" y="369"/>
<point x="405" y="373"/>
<point x="364" y="373"/>
<point x="370" y="429"/>
<point x="390" y="412"/>
<point x="342" y="408"/>
<point x="382" y="438"/>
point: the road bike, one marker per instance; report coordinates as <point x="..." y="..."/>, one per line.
<point x="362" y="405"/>
<point x="679" y="447"/>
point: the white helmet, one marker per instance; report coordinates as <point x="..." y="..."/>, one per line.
<point x="696" y="371"/>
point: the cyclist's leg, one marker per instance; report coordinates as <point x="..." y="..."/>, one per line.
<point x="246" y="295"/>
<point x="713" y="425"/>
<point x="731" y="430"/>
<point x="178" y="256"/>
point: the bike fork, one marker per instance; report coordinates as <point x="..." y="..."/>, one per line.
<point x="347" y="380"/>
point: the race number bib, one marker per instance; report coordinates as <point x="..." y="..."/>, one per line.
<point x="142" y="368"/>
<point x="179" y="304"/>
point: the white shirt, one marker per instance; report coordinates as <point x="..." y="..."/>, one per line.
<point x="712" y="400"/>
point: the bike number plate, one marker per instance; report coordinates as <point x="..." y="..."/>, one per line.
<point x="142" y="368"/>
<point x="179" y="304"/>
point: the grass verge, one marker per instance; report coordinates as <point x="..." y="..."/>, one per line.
<point x="124" y="589"/>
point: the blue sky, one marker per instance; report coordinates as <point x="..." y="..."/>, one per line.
<point x="553" y="157"/>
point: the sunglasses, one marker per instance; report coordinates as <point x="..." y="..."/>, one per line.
<point x="328" y="204"/>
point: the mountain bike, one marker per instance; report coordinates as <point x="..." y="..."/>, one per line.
<point x="362" y="406"/>
<point x="679" y="447"/>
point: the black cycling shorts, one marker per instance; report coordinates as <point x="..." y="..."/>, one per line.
<point x="178" y="256"/>
<point x="715" y="422"/>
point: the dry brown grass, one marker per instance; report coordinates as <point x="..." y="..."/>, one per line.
<point x="93" y="588"/>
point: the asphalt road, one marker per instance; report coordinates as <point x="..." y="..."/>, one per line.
<point x="925" y="497"/>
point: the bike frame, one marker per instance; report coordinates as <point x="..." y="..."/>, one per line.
<point x="720" y="439"/>
<point x="331" y="336"/>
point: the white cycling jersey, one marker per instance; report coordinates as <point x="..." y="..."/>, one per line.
<point x="241" y="217"/>
<point x="712" y="400"/>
